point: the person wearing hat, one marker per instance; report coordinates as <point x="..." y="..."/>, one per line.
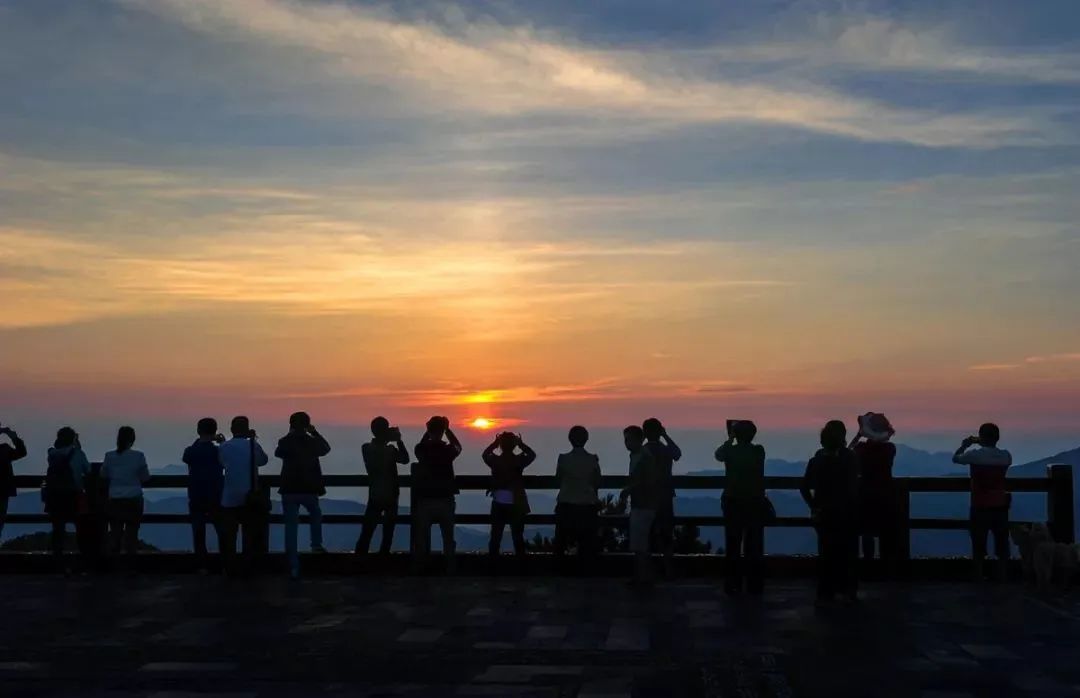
<point x="875" y="454"/>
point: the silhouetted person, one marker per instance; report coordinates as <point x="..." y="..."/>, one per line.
<point x="576" y="509"/>
<point x="831" y="490"/>
<point x="745" y="508"/>
<point x="647" y="492"/>
<point x="93" y="526"/>
<point x="507" y="457"/>
<point x="878" y="512"/>
<point x="382" y="455"/>
<point x="665" y="453"/>
<point x="241" y="508"/>
<point x="63" y="494"/>
<point x="206" y="480"/>
<point x="434" y="491"/>
<point x="9" y="453"/>
<point x="301" y="484"/>
<point x="989" y="498"/>
<point x="125" y="470"/>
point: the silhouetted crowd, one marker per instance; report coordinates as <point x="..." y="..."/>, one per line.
<point x="848" y="487"/>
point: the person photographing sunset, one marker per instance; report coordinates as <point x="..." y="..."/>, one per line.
<point x="990" y="500"/>
<point x="507" y="457"/>
<point x="434" y="491"/>
<point x="382" y="455"/>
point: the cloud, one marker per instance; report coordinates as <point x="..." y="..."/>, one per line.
<point x="496" y="70"/>
<point x="995" y="367"/>
<point x="1053" y="358"/>
<point x="885" y="44"/>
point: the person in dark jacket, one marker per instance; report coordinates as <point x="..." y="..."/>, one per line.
<point x="434" y="491"/>
<point x="382" y="455"/>
<point x="206" y="480"/>
<point x="301" y="484"/>
<point x="9" y="453"/>
<point x="830" y="488"/>
<point x="745" y="508"/>
<point x="509" y="501"/>
<point x="64" y="494"/>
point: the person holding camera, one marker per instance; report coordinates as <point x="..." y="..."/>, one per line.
<point x="665" y="453"/>
<point x="434" y="491"/>
<point x="382" y="455"/>
<point x="9" y="453"/>
<point x="206" y="480"/>
<point x="301" y="484"/>
<point x="509" y="501"/>
<point x="241" y="457"/>
<point x="745" y="507"/>
<point x="990" y="499"/>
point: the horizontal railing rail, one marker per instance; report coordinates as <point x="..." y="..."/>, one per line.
<point x="1057" y="486"/>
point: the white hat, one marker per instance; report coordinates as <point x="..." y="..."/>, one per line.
<point x="875" y="426"/>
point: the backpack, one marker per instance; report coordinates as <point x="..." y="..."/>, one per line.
<point x="59" y="487"/>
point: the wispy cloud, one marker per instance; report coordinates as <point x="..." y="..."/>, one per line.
<point x="513" y="70"/>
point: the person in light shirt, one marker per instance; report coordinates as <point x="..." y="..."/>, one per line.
<point x="990" y="499"/>
<point x="237" y="455"/>
<point x="126" y="471"/>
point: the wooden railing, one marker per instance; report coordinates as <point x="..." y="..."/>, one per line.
<point x="1057" y="486"/>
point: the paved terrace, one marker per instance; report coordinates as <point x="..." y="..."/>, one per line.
<point x="172" y="635"/>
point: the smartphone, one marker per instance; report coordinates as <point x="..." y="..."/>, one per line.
<point x="975" y="440"/>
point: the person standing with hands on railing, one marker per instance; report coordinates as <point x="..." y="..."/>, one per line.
<point x="990" y="500"/>
<point x="507" y="457"/>
<point x="301" y="484"/>
<point x="382" y="455"/>
<point x="9" y="453"/>
<point x="665" y="453"/>
<point x="241" y="510"/>
<point x="434" y="492"/>
<point x="830" y="488"/>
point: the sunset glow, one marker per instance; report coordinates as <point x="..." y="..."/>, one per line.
<point x="819" y="209"/>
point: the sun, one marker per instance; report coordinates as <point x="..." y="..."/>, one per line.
<point x="482" y="423"/>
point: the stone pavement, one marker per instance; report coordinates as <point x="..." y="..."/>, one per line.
<point x="171" y="636"/>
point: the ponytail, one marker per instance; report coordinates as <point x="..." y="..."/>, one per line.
<point x="125" y="439"/>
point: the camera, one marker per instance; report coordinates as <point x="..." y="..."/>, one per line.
<point x="394" y="433"/>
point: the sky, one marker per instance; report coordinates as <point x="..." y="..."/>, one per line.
<point x="542" y="213"/>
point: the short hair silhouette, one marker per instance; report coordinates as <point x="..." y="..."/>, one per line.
<point x="744" y="431"/>
<point x="834" y="435"/>
<point x="989" y="434"/>
<point x="634" y="433"/>
<point x="379" y="426"/>
<point x="65" y="436"/>
<point x="507" y="441"/>
<point x="207" y="427"/>
<point x="125" y="439"/>
<point x="438" y="424"/>
<point x="652" y="428"/>
<point x="240" y="426"/>
<point x="579" y="436"/>
<point x="299" y="420"/>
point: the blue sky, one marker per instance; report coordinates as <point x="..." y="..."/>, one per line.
<point x="785" y="208"/>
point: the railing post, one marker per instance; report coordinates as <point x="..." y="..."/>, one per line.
<point x="1060" y="515"/>
<point x="903" y="522"/>
<point x="412" y="511"/>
